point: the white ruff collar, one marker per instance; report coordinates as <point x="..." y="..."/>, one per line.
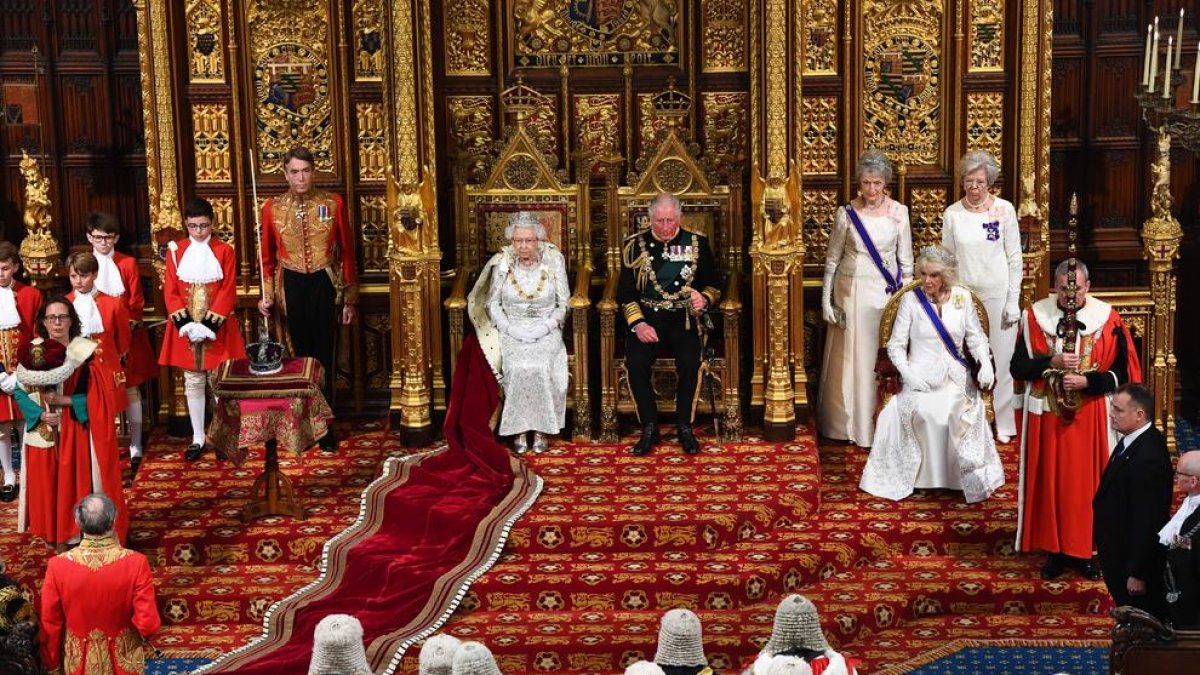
<point x="108" y="279"/>
<point x="90" y="322"/>
<point x="199" y="264"/>
<point x="1092" y="315"/>
<point x="9" y="316"/>
<point x="1175" y="524"/>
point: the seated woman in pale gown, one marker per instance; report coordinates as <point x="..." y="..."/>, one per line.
<point x="934" y="433"/>
<point x="518" y="305"/>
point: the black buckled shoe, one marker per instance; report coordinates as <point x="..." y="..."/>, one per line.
<point x="135" y="463"/>
<point x="688" y="440"/>
<point x="1053" y="567"/>
<point x="328" y="443"/>
<point x="647" y="442"/>
<point x="9" y="492"/>
<point x="193" y="452"/>
<point x="1087" y="568"/>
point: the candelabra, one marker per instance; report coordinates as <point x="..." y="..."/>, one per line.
<point x="1166" y="105"/>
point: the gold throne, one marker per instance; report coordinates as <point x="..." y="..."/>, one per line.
<point x="523" y="178"/>
<point x="709" y="209"/>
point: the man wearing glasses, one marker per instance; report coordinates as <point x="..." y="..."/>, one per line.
<point x="1181" y="536"/>
<point x="200" y="291"/>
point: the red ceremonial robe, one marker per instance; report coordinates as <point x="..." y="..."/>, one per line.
<point x="114" y="345"/>
<point x="1061" y="463"/>
<point x="221" y="295"/>
<point x="29" y="301"/>
<point x="83" y="461"/>
<point x="140" y="364"/>
<point x="97" y="609"/>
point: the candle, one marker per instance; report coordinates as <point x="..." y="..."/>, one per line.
<point x="1179" y="40"/>
<point x="1146" y="60"/>
<point x="1167" y="69"/>
<point x="1196" y="78"/>
<point x="1153" y="61"/>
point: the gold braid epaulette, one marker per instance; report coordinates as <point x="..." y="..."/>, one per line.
<point x="636" y="264"/>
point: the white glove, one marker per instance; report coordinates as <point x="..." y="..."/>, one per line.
<point x="831" y="314"/>
<point x="522" y="334"/>
<point x="987" y="375"/>
<point x="1011" y="315"/>
<point x="912" y="381"/>
<point x="551" y="326"/>
<point x="197" y="332"/>
<point x="8" y="382"/>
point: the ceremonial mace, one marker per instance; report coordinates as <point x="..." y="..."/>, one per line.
<point x="1067" y="401"/>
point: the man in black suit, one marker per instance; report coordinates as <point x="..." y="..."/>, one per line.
<point x="1181" y="536"/>
<point x="1133" y="503"/>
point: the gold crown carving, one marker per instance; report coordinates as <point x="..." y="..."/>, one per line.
<point x="522" y="99"/>
<point x="672" y="105"/>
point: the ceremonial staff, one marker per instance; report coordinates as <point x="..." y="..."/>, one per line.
<point x="265" y="330"/>
<point x="1068" y="400"/>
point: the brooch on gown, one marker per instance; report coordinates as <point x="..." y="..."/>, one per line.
<point x="993" y="230"/>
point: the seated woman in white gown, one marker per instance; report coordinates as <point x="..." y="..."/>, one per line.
<point x="934" y="433"/>
<point x="518" y="306"/>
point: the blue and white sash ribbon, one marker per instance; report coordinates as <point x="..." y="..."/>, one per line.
<point x="947" y="341"/>
<point x="893" y="282"/>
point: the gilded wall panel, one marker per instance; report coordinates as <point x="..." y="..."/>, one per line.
<point x="372" y="141"/>
<point x="373" y="224"/>
<point x="470" y="124"/>
<point x="598" y="124"/>
<point x="210" y="131"/>
<point x="819" y="208"/>
<point x="902" y="74"/>
<point x="987" y="35"/>
<point x="985" y="122"/>
<point x="594" y="33"/>
<point x="223" y="218"/>
<point x="725" y="115"/>
<point x="820" y="37"/>
<point x="468" y="37"/>
<point x="377" y="329"/>
<point x="724" y="42"/>
<point x="926" y="213"/>
<point x="820" y="134"/>
<point x="543" y="126"/>
<point x="206" y="56"/>
<point x="368" y="40"/>
<point x="291" y="81"/>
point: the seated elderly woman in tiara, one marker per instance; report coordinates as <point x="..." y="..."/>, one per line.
<point x="517" y="306"/>
<point x="935" y="433"/>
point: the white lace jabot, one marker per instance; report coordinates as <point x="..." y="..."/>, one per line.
<point x="199" y="264"/>
<point x="108" y="279"/>
<point x="9" y="317"/>
<point x="90" y="322"/>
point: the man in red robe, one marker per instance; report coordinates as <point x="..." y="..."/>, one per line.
<point x="307" y="241"/>
<point x="200" y="292"/>
<point x="97" y="600"/>
<point x="1062" y="461"/>
<point x="118" y="277"/>
<point x="19" y="306"/>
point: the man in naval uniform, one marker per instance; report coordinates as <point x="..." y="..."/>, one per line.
<point x="668" y="281"/>
<point x="306" y="238"/>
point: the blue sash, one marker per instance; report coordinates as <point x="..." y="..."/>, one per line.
<point x="947" y="341"/>
<point x="893" y="283"/>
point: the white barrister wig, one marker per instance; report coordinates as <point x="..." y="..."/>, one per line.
<point x="796" y="625"/>
<point x="338" y="647"/>
<point x="644" y="668"/>
<point x="437" y="655"/>
<point x="788" y="665"/>
<point x="472" y="658"/>
<point x="680" y="642"/>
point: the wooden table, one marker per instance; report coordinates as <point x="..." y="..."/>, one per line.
<point x="285" y="407"/>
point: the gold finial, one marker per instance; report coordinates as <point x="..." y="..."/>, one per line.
<point x="39" y="250"/>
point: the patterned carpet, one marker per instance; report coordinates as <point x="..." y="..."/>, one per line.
<point x="614" y="541"/>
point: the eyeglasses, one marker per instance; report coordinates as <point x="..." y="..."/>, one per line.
<point x="55" y="318"/>
<point x="103" y="237"/>
<point x="198" y="226"/>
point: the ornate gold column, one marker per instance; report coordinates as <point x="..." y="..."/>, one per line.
<point x="1033" y="143"/>
<point x="413" y="253"/>
<point x="1161" y="235"/>
<point x="777" y="245"/>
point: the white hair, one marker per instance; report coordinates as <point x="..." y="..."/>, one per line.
<point x="941" y="258"/>
<point x="524" y="220"/>
<point x="976" y="160"/>
<point x="665" y="200"/>
<point x="1080" y="266"/>
<point x="873" y="161"/>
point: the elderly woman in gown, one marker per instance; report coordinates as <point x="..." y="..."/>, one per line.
<point x="981" y="231"/>
<point x="869" y="258"/>
<point x="518" y="305"/>
<point x="934" y="433"/>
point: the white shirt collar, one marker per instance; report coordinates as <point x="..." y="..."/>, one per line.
<point x="1173" y="527"/>
<point x="1132" y="436"/>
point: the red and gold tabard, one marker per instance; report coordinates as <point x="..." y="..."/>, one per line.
<point x="210" y="303"/>
<point x="29" y="301"/>
<point x="140" y="363"/>
<point x="307" y="235"/>
<point x="98" y="607"/>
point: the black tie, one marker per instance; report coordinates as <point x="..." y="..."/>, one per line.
<point x="1118" y="450"/>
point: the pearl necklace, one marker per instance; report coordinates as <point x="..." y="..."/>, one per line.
<point x="981" y="206"/>
<point x="537" y="293"/>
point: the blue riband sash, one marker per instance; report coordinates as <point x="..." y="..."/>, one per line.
<point x="947" y="341"/>
<point x="893" y="282"/>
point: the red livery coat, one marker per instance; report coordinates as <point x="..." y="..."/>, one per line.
<point x="178" y="351"/>
<point x="29" y="301"/>
<point x="140" y="363"/>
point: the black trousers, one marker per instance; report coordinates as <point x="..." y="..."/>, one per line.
<point x="312" y="325"/>
<point x="677" y="334"/>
